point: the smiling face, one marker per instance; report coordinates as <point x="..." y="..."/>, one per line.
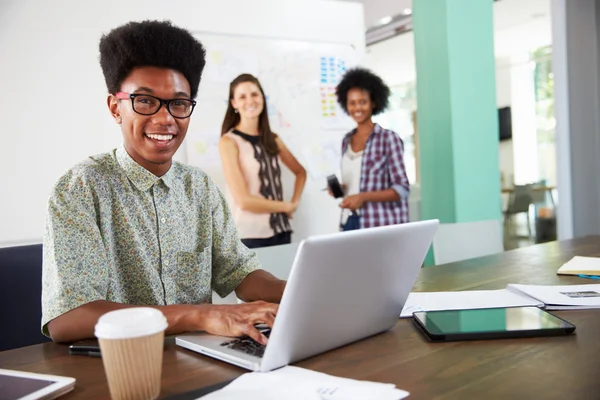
<point x="248" y="100"/>
<point x="359" y="105"/>
<point x="151" y="140"/>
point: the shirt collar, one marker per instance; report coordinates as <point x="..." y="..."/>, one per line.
<point x="376" y="129"/>
<point x="140" y="176"/>
<point x="169" y="178"/>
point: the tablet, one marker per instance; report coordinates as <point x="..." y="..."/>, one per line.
<point x="29" y="386"/>
<point x="490" y="323"/>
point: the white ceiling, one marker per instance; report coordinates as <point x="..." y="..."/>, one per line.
<point x="519" y="27"/>
<point x="377" y="9"/>
<point x="506" y="12"/>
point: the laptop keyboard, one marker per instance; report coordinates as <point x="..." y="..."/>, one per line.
<point x="247" y="345"/>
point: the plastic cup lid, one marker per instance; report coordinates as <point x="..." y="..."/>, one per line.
<point x="130" y="323"/>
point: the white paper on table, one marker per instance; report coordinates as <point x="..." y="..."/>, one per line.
<point x="293" y="383"/>
<point x="466" y="300"/>
<point x="562" y="297"/>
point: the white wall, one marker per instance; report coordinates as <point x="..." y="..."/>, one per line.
<point x="53" y="107"/>
<point x="503" y="92"/>
<point x="503" y="99"/>
<point x="577" y="83"/>
<point x="393" y="59"/>
<point x="562" y="37"/>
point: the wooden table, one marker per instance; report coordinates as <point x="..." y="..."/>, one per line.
<point x="533" y="188"/>
<point x="511" y="190"/>
<point x="539" y="368"/>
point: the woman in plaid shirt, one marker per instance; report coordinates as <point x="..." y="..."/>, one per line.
<point x="374" y="178"/>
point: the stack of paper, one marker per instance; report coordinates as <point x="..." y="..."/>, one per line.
<point x="293" y="383"/>
<point x="466" y="300"/>
<point x="565" y="297"/>
<point x="550" y="297"/>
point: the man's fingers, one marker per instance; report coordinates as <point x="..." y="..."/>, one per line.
<point x="263" y="306"/>
<point x="273" y="308"/>
<point x="268" y="318"/>
<point x="256" y="335"/>
<point x="258" y="312"/>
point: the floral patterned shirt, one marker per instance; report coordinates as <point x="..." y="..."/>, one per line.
<point x="116" y="232"/>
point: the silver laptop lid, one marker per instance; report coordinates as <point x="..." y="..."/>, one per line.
<point x="346" y="286"/>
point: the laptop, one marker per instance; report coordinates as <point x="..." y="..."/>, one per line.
<point x="343" y="287"/>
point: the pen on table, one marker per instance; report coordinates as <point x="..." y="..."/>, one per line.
<point x="92" y="354"/>
<point x="86" y="353"/>
<point x="588" y="276"/>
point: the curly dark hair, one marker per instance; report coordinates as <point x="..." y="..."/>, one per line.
<point x="150" y="44"/>
<point x="361" y="78"/>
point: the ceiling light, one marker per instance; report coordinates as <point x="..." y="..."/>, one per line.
<point x="407" y="11"/>
<point x="385" y="20"/>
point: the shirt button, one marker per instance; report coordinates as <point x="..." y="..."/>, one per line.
<point x="167" y="263"/>
<point x="163" y="220"/>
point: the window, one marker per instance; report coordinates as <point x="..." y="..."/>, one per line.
<point x="400" y="117"/>
<point x="545" y="122"/>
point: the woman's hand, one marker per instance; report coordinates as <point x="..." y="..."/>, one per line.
<point x="353" y="202"/>
<point x="292" y="206"/>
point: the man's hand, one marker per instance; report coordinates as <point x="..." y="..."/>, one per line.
<point x="353" y="202"/>
<point x="237" y="320"/>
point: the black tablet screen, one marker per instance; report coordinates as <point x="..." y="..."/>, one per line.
<point x="489" y="320"/>
<point x="15" y="387"/>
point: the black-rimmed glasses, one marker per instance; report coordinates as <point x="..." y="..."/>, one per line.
<point x="146" y="104"/>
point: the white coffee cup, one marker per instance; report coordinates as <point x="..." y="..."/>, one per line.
<point x="131" y="342"/>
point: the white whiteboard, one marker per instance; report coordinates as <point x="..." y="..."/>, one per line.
<point x="299" y="80"/>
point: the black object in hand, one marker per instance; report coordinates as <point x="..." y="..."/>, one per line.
<point x="334" y="186"/>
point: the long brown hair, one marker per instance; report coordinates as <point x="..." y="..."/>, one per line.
<point x="232" y="119"/>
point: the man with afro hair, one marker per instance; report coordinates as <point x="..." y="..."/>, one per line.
<point x="374" y="179"/>
<point x="134" y="228"/>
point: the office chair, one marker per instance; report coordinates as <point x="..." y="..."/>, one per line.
<point x="21" y="296"/>
<point x="519" y="202"/>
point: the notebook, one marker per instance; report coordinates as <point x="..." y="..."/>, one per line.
<point x="581" y="266"/>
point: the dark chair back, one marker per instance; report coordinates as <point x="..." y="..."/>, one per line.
<point x="20" y="296"/>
